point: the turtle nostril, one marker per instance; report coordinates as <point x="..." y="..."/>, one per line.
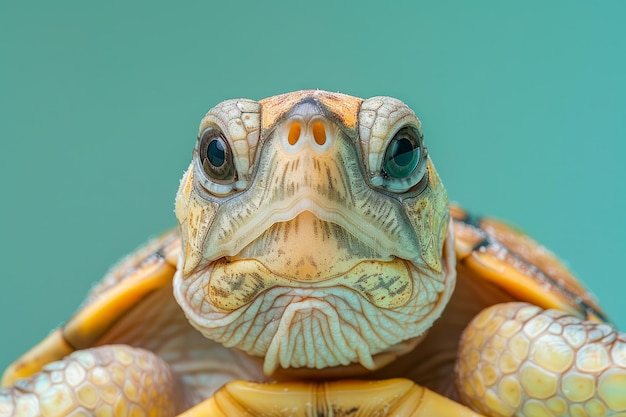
<point x="319" y="133"/>
<point x="294" y="133"/>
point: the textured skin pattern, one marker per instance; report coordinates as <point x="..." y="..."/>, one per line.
<point x="107" y="381"/>
<point x="428" y="215"/>
<point x="518" y="359"/>
<point x="201" y="365"/>
<point x="379" y="116"/>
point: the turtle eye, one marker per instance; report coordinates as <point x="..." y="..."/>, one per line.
<point x="216" y="156"/>
<point x="403" y="165"/>
<point x="403" y="154"/>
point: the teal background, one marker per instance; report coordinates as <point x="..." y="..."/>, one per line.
<point x="523" y="105"/>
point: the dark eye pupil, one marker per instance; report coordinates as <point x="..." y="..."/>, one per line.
<point x="216" y="157"/>
<point x="215" y="153"/>
<point x="403" y="153"/>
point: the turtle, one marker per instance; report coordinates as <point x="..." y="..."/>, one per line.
<point x="318" y="269"/>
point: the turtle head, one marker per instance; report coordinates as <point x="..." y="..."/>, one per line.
<point x="315" y="230"/>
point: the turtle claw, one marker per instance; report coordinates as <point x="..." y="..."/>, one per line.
<point x="519" y="359"/>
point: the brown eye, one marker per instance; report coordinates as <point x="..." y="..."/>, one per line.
<point x="216" y="156"/>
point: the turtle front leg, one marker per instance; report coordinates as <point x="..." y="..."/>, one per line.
<point x="519" y="359"/>
<point x="111" y="380"/>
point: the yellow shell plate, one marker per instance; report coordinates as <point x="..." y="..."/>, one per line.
<point x="491" y="250"/>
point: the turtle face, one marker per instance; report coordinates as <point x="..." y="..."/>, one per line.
<point x="314" y="230"/>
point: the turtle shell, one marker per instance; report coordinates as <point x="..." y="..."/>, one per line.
<point x="491" y="250"/>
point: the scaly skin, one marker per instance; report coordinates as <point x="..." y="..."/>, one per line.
<point x="518" y="359"/>
<point x="112" y="380"/>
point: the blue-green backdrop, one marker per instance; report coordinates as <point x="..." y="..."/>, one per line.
<point x="523" y="105"/>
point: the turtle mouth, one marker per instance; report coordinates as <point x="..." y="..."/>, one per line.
<point x="316" y="323"/>
<point x="309" y="248"/>
<point x="309" y="253"/>
<point x="384" y="284"/>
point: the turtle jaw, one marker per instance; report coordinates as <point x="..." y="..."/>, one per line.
<point x="320" y="325"/>
<point x="232" y="285"/>
<point x="309" y="253"/>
